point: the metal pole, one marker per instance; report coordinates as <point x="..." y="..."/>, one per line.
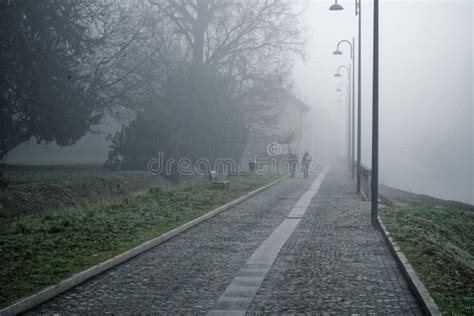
<point x="349" y="99"/>
<point x="359" y="106"/>
<point x="353" y="110"/>
<point x="375" y="118"/>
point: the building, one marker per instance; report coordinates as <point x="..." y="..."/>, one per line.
<point x="285" y="130"/>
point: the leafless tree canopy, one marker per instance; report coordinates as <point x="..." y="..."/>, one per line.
<point x="247" y="40"/>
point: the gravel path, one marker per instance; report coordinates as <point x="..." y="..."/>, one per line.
<point x="335" y="262"/>
<point x="188" y="273"/>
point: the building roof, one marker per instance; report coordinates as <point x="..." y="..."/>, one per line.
<point x="294" y="101"/>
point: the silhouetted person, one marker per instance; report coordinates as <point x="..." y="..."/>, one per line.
<point x="305" y="164"/>
<point x="293" y="159"/>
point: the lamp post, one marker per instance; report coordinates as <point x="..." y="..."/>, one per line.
<point x="358" y="9"/>
<point x="339" y="52"/>
<point x="337" y="74"/>
<point x="375" y="120"/>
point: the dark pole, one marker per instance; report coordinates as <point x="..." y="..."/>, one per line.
<point x="353" y="109"/>
<point x="349" y="99"/>
<point x="359" y="107"/>
<point x="375" y="118"/>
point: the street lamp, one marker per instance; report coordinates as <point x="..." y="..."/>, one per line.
<point x="338" y="51"/>
<point x="338" y="74"/>
<point x="358" y="9"/>
<point x="336" y="7"/>
<point x="339" y="86"/>
<point x="341" y="98"/>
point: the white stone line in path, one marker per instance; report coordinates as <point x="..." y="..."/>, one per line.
<point x="239" y="294"/>
<point x="300" y="207"/>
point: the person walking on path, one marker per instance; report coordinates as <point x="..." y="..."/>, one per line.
<point x="293" y="159"/>
<point x="305" y="164"/>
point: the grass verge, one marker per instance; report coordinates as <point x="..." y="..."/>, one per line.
<point x="439" y="244"/>
<point x="36" y="189"/>
<point x="42" y="249"/>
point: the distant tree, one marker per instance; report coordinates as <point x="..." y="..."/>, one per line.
<point x="249" y="41"/>
<point x="226" y="32"/>
<point x="190" y="119"/>
<point x="60" y="67"/>
<point x="216" y="69"/>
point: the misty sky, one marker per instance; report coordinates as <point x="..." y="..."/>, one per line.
<point x="426" y="84"/>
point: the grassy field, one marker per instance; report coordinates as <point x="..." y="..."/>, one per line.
<point x="35" y="189"/>
<point x="439" y="244"/>
<point x="41" y="249"/>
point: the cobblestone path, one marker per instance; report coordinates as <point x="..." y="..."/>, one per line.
<point x="334" y="262"/>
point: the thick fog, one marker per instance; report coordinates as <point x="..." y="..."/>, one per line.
<point x="426" y="84"/>
<point x="426" y="102"/>
<point x="90" y="149"/>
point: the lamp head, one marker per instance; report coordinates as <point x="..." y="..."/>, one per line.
<point x="337" y="52"/>
<point x="336" y="7"/>
<point x="337" y="75"/>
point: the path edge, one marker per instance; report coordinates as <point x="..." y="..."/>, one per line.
<point x="27" y="303"/>
<point x="428" y="305"/>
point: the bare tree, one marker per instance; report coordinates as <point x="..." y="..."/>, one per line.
<point x="251" y="42"/>
<point x="236" y="35"/>
<point x="219" y="66"/>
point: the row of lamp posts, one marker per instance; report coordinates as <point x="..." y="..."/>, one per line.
<point x="375" y="102"/>
<point x="350" y="103"/>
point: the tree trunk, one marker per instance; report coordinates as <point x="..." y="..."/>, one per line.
<point x="202" y="22"/>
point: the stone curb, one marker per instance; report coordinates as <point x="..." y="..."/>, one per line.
<point x="428" y="305"/>
<point x="50" y="292"/>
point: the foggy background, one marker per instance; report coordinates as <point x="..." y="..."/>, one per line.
<point x="426" y="83"/>
<point x="426" y="102"/>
